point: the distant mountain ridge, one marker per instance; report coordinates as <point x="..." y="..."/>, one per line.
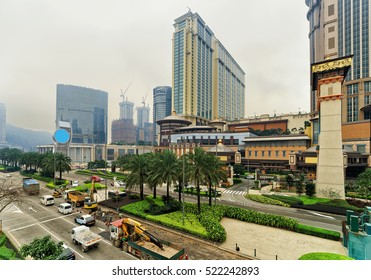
<point x="27" y="139"/>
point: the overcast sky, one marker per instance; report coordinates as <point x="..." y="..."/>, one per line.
<point x="107" y="44"/>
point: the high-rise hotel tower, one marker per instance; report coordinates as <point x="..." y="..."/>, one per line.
<point x="339" y="28"/>
<point x="207" y="82"/>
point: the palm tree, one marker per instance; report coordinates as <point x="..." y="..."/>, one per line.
<point x="182" y="173"/>
<point x="154" y="170"/>
<point x="198" y="168"/>
<point x="138" y="167"/>
<point x="57" y="162"/>
<point x="215" y="173"/>
<point x="168" y="169"/>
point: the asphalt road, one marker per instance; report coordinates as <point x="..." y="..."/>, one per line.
<point x="23" y="223"/>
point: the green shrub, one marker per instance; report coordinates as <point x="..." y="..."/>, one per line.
<point x="260" y="218"/>
<point x="266" y="200"/>
<point x="169" y="206"/>
<point x="318" y="232"/>
<point x="290" y="200"/>
<point x="2" y="239"/>
<point x="6" y="253"/>
<point x="324" y="256"/>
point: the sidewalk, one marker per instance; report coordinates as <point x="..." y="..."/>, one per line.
<point x="267" y="243"/>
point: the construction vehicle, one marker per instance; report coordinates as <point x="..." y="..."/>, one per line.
<point x="58" y="192"/>
<point x="31" y="186"/>
<point x="82" y="235"/>
<point x="90" y="203"/>
<point x="135" y="239"/>
<point x="74" y="197"/>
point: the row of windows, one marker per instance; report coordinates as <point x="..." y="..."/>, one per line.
<point x="352" y="109"/>
<point x="268" y="153"/>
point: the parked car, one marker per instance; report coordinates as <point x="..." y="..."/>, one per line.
<point x="75" y="184"/>
<point x="249" y="177"/>
<point x="67" y="253"/>
<point x="86" y="220"/>
<point x="65" y="208"/>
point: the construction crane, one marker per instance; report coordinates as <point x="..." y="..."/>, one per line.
<point x="123" y="93"/>
<point x="144" y="99"/>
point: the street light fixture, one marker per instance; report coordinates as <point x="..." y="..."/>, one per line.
<point x="183" y="181"/>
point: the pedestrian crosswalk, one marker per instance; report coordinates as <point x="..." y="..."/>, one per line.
<point x="234" y="192"/>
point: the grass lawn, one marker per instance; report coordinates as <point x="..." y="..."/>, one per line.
<point x="312" y="200"/>
<point x="324" y="256"/>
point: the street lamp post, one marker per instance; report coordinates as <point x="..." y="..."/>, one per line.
<point x="105" y="171"/>
<point x="216" y="154"/>
<point x="183" y="182"/>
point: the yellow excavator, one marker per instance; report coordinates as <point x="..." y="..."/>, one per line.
<point x="58" y="191"/>
<point x="134" y="231"/>
<point x="90" y="202"/>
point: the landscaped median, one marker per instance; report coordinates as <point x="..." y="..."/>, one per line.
<point x="333" y="206"/>
<point x="207" y="224"/>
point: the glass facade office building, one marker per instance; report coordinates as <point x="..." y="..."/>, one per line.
<point x="86" y="111"/>
<point x="161" y="106"/>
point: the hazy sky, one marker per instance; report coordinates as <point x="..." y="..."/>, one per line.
<point x="107" y="44"/>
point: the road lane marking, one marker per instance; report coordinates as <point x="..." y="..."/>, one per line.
<point x="30" y="225"/>
<point x="56" y="237"/>
<point x="325" y="216"/>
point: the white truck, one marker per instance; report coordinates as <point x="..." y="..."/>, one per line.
<point x="82" y="235"/>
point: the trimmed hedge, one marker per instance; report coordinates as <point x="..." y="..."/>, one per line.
<point x="266" y="200"/>
<point x="210" y="217"/>
<point x="324" y="256"/>
<point x="2" y="239"/>
<point x="6" y="253"/>
<point x="290" y="200"/>
<point x="318" y="232"/>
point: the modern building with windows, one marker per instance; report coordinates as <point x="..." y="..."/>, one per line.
<point x="161" y="107"/>
<point x="123" y="130"/>
<point x="340" y="28"/>
<point x="207" y="82"/>
<point x="86" y="111"/>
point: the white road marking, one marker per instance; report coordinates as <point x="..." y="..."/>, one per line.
<point x="56" y="237"/>
<point x="31" y="209"/>
<point x="329" y="217"/>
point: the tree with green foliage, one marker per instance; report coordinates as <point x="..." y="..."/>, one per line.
<point x="138" y="167"/>
<point x="198" y="168"/>
<point x="289" y="180"/>
<point x="298" y="183"/>
<point x="238" y="169"/>
<point x="57" y="162"/>
<point x="32" y="160"/>
<point x="310" y="189"/>
<point x="215" y="173"/>
<point x="154" y="179"/>
<point x="363" y="182"/>
<point x="44" y="248"/>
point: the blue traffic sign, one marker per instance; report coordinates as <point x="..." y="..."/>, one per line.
<point x="61" y="136"/>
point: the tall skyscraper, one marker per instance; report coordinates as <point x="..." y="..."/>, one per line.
<point x="339" y="28"/>
<point x="86" y="110"/>
<point x="2" y="124"/>
<point x="207" y="82"/>
<point x="142" y="124"/>
<point x="126" y="110"/>
<point x="142" y="116"/>
<point x="161" y="107"/>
